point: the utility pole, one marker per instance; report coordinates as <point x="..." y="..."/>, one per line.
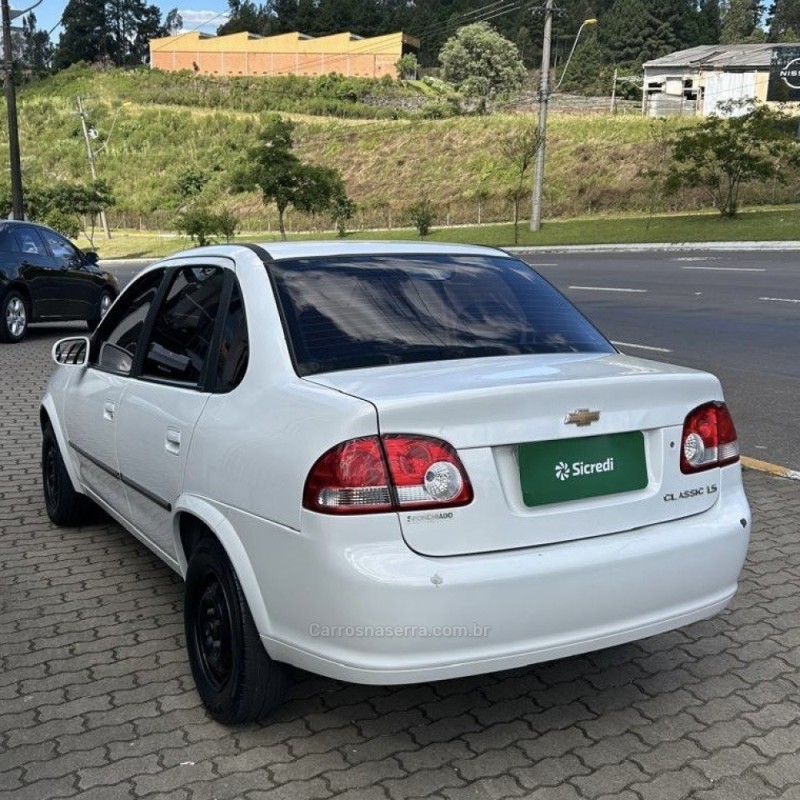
<point x="614" y="93"/>
<point x="544" y="92"/>
<point x="17" y="201"/>
<point x="90" y="153"/>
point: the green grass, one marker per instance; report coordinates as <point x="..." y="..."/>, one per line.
<point x="778" y="224"/>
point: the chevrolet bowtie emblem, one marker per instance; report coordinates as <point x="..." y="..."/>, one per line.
<point x="582" y="417"/>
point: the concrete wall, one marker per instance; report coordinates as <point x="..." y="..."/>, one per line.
<point x="287" y="54"/>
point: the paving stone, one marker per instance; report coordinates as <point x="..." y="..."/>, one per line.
<point x="363" y="775"/>
<point x="745" y="787"/>
<point x="379" y="747"/>
<point x="728" y="762"/>
<point x="97" y="701"/>
<point x="673" y="785"/>
<point x="609" y="779"/>
<point x="423" y="783"/>
<point x="121" y="770"/>
<point x="613" y="750"/>
<point x="550" y="772"/>
<point x="499" y="736"/>
<point x="485" y="789"/>
<point x="299" y="790"/>
<point x="490" y="764"/>
<point x="308" y="766"/>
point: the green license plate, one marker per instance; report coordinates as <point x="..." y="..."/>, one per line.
<point x="573" y="469"/>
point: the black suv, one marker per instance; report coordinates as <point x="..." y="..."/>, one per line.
<point x="45" y="278"/>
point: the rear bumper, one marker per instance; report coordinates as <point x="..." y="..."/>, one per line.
<point x="372" y="611"/>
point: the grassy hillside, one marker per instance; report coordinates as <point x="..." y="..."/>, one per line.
<point x="154" y="128"/>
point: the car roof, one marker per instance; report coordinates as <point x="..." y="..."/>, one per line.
<point x="314" y="249"/>
<point x="281" y="251"/>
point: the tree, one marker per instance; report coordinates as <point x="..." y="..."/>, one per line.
<point x="632" y="34"/>
<point x="482" y="63"/>
<point x="37" y="51"/>
<point x="422" y="216"/>
<point x="723" y="152"/>
<point x="709" y="22"/>
<point x="784" y="21"/>
<point x="119" y="30"/>
<point x="245" y="15"/>
<point x="519" y="147"/>
<point x="173" y="22"/>
<point x="199" y="224"/>
<point x="283" y="179"/>
<point x="741" y="22"/>
<point x="407" y="67"/>
<point x="130" y="24"/>
<point x="342" y="210"/>
<point x="83" y="37"/>
<point x="69" y="207"/>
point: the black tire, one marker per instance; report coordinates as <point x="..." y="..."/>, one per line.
<point x="64" y="505"/>
<point x="104" y="301"/>
<point x="235" y="677"/>
<point x="14" y="318"/>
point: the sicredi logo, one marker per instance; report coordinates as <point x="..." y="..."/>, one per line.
<point x="579" y="469"/>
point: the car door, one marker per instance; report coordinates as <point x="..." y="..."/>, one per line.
<point x="159" y="411"/>
<point x="75" y="288"/>
<point x="37" y="269"/>
<point x="94" y="395"/>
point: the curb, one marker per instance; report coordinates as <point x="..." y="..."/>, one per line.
<point x="770" y="469"/>
<point x="655" y="246"/>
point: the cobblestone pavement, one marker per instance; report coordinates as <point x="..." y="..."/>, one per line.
<point x="96" y="698"/>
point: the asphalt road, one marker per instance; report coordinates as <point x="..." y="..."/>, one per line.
<point x="736" y="314"/>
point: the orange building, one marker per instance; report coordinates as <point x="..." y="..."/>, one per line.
<point x="286" y="54"/>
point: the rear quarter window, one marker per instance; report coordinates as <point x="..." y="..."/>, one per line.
<point x="8" y="244"/>
<point x="352" y="312"/>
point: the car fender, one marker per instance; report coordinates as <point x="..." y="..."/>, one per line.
<point x="48" y="407"/>
<point x="207" y="513"/>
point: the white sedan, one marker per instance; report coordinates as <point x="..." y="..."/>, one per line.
<point x="391" y="463"/>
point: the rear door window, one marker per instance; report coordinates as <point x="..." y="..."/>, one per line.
<point x="351" y="312"/>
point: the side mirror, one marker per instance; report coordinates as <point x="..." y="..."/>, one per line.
<point x="92" y="257"/>
<point x="73" y="351"/>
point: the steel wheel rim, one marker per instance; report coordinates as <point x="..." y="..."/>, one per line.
<point x="16" y="316"/>
<point x="213" y="632"/>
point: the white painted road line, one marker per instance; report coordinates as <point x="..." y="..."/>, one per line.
<point x="729" y="269"/>
<point x="642" y="347"/>
<point x="780" y="299"/>
<point x="697" y="258"/>
<point x="542" y="265"/>
<point x="607" y="289"/>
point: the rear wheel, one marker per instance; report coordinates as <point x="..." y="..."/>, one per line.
<point x="14" y="319"/>
<point x="236" y="679"/>
<point x="103" y="304"/>
<point x="64" y="505"/>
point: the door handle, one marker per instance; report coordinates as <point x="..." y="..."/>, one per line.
<point x="109" y="409"/>
<point x="172" y="441"/>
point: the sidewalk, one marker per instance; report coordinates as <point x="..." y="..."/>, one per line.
<point x="96" y="698"/>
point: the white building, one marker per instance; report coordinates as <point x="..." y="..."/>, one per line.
<point x="693" y="82"/>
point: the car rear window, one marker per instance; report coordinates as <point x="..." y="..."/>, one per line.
<point x="348" y="312"/>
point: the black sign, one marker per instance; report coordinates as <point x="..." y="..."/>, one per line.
<point x="784" y="75"/>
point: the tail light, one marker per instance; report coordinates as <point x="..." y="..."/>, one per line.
<point x="388" y="473"/>
<point x="709" y="439"/>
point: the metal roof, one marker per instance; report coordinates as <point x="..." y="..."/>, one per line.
<point x="720" y="56"/>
